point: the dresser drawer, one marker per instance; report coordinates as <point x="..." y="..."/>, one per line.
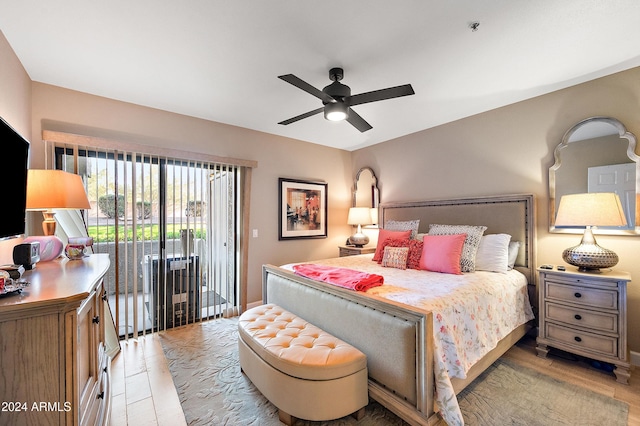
<point x="597" y="321"/>
<point x="592" y="297"/>
<point x="595" y="343"/>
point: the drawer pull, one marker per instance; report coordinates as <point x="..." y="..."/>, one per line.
<point x="96" y="319"/>
<point x="578" y="295"/>
<point x="578" y="317"/>
<point x="100" y="395"/>
<point x="577" y="339"/>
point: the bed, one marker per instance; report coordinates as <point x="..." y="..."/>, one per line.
<point x="404" y="352"/>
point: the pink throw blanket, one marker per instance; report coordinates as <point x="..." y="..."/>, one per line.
<point x="342" y="277"/>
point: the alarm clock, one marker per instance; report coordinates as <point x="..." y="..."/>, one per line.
<point x="27" y="254"/>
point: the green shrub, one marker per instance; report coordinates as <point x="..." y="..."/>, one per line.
<point x="107" y="205"/>
<point x="143" y="212"/>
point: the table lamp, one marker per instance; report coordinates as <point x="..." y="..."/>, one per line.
<point x="359" y="216"/>
<point x="590" y="210"/>
<point x="54" y="189"/>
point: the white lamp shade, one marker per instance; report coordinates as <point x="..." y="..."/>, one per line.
<point x="374" y="216"/>
<point x="55" y="189"/>
<point x="591" y="209"/>
<point x="359" y="216"/>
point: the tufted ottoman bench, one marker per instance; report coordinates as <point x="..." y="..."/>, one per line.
<point x="305" y="372"/>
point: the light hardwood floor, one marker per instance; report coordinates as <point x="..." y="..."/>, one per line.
<point x="143" y="392"/>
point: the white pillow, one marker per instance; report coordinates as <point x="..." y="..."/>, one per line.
<point x="514" y="248"/>
<point x="493" y="253"/>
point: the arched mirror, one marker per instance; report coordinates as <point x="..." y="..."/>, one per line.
<point x="597" y="155"/>
<point x="365" y="189"/>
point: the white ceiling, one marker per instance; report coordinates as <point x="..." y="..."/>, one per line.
<point x="219" y="60"/>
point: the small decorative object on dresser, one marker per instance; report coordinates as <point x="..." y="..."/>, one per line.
<point x="585" y="314"/>
<point x="353" y="251"/>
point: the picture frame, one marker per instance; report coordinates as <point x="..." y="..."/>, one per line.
<point x="302" y="209"/>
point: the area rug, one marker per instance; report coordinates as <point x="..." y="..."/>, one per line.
<point x="203" y="360"/>
<point x="509" y="394"/>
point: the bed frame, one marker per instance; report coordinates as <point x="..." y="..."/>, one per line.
<point x="396" y="338"/>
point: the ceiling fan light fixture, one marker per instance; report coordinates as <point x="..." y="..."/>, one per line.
<point x="336" y="111"/>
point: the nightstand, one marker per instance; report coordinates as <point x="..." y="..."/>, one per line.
<point x="352" y="250"/>
<point x="585" y="314"/>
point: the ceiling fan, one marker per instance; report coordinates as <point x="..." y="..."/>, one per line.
<point x="337" y="99"/>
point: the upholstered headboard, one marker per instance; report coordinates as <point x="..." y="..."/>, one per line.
<point x="508" y="214"/>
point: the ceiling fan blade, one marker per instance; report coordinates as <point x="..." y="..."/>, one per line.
<point x="358" y="122"/>
<point x="301" y="116"/>
<point x="381" y="95"/>
<point x="301" y="84"/>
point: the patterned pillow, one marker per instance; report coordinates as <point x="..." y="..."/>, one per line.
<point x="395" y="257"/>
<point x="415" y="250"/>
<point x="415" y="253"/>
<point x="471" y="243"/>
<point x="403" y="225"/>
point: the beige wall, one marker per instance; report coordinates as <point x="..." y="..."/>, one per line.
<point x="509" y="150"/>
<point x="15" y="109"/>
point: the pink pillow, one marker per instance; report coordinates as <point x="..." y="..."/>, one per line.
<point x="441" y="253"/>
<point x="383" y="235"/>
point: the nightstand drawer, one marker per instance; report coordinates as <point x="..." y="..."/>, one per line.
<point x="354" y="251"/>
<point x="344" y="251"/>
<point x="597" y="298"/>
<point x="598" y="321"/>
<point x="604" y="345"/>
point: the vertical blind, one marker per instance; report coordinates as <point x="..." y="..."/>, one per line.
<point x="173" y="228"/>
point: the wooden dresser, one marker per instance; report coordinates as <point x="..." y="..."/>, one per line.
<point x="53" y="365"/>
<point x="585" y="314"/>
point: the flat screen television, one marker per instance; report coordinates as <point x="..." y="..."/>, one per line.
<point x="15" y="153"/>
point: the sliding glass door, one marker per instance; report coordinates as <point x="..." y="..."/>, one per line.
<point x="172" y="228"/>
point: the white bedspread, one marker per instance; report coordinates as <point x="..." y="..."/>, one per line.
<point x="471" y="313"/>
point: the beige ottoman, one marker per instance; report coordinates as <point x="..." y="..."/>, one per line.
<point x="305" y="372"/>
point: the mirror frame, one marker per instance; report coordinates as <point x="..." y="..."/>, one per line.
<point x="631" y="154"/>
<point x="376" y="193"/>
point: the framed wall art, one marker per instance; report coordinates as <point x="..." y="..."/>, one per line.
<point x="303" y="209"/>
